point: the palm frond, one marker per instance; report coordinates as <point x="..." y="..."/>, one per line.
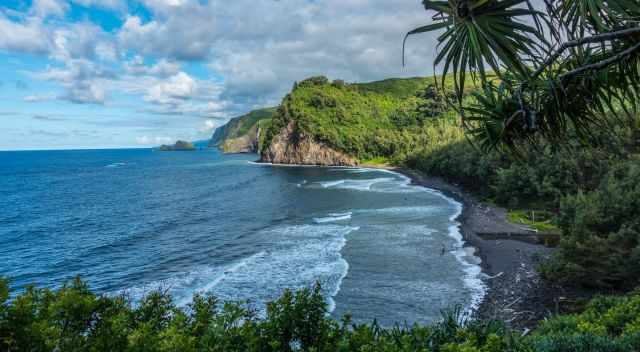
<point x="480" y="34"/>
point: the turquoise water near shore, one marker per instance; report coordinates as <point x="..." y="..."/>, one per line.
<point x="136" y="220"/>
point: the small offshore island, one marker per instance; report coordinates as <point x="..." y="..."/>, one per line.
<point x="179" y="146"/>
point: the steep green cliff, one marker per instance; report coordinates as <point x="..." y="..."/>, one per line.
<point x="242" y="134"/>
<point x="335" y="123"/>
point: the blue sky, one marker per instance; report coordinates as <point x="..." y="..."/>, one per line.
<point x="134" y="73"/>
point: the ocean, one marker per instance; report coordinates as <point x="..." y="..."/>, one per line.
<point x="137" y="220"/>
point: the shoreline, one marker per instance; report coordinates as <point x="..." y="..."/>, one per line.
<point x="515" y="293"/>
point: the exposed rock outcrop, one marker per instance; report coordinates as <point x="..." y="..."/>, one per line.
<point x="292" y="146"/>
<point x="247" y="143"/>
<point x="242" y="134"/>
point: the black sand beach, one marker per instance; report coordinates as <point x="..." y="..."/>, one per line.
<point x="516" y="293"/>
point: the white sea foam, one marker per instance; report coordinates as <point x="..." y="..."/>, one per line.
<point x="355" y="184"/>
<point x="116" y="165"/>
<point x="471" y="267"/>
<point x="329" y="184"/>
<point x="464" y="255"/>
<point x="333" y="217"/>
<point x="301" y="255"/>
<point x="400" y="210"/>
<point x="403" y="184"/>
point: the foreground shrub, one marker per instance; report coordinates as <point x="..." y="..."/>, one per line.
<point x="607" y="324"/>
<point x="74" y="319"/>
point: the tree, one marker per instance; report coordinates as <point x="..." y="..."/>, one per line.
<point x="563" y="67"/>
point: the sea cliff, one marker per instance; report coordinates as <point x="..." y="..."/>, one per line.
<point x="292" y="146"/>
<point x="242" y="134"/>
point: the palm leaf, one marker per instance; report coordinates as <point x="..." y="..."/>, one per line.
<point x="480" y="33"/>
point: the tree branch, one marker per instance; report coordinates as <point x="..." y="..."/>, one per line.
<point x="599" y="38"/>
<point x="602" y="64"/>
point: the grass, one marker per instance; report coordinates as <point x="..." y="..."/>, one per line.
<point x="377" y="161"/>
<point x="536" y="219"/>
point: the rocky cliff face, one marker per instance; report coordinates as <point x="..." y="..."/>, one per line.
<point x="291" y="146"/>
<point x="247" y="143"/>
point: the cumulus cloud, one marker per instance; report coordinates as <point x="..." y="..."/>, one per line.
<point x="286" y="41"/>
<point x="82" y="79"/>
<point x="177" y="87"/>
<point x="255" y="49"/>
<point x="46" y="8"/>
<point x="27" y="36"/>
<point x="208" y="126"/>
<point x="162" y="68"/>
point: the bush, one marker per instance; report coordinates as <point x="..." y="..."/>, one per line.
<point x="74" y="319"/>
<point x="607" y="324"/>
<point x="601" y="242"/>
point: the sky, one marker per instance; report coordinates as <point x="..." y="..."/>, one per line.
<point x="139" y="73"/>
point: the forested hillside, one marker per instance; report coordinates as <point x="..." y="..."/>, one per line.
<point x="242" y="134"/>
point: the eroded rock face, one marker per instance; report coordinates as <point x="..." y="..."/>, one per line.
<point x="245" y="144"/>
<point x="291" y="146"/>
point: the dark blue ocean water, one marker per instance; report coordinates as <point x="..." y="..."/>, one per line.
<point x="136" y="220"/>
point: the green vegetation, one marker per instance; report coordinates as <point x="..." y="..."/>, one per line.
<point x="368" y="121"/>
<point x="74" y="319"/>
<point x="377" y="161"/>
<point x="588" y="191"/>
<point x="245" y="126"/>
<point x="179" y="146"/>
<point x="396" y="87"/>
<point x="371" y="122"/>
<point x="562" y="69"/>
<point x="601" y="232"/>
<point x="539" y="220"/>
<point x="557" y="128"/>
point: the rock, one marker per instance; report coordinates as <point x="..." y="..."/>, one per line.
<point x="179" y="146"/>
<point x="292" y="146"/>
<point x="247" y="143"/>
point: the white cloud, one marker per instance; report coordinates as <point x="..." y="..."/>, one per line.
<point x="28" y="36"/>
<point x="261" y="47"/>
<point x="46" y="8"/>
<point x="85" y="92"/>
<point x="162" y="68"/>
<point x="83" y="80"/>
<point x="255" y="49"/>
<point x="208" y="126"/>
<point x="179" y="86"/>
